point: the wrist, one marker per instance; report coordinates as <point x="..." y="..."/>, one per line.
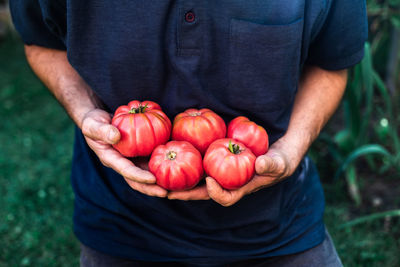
<point x="78" y="100"/>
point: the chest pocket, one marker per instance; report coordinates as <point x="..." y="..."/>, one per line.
<point x="264" y="64"/>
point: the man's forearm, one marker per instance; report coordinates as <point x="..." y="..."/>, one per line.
<point x="319" y="95"/>
<point x="53" y="68"/>
<point x="84" y="107"/>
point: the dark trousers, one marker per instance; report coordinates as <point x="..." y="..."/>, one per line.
<point x="323" y="255"/>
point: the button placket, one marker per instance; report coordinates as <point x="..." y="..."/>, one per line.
<point x="189" y="28"/>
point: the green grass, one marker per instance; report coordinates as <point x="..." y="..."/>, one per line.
<point x="36" y="197"/>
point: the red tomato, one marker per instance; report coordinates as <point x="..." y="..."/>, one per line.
<point x="143" y="126"/>
<point x="250" y="134"/>
<point x="177" y="165"/>
<point x="229" y="162"/>
<point x="198" y="127"/>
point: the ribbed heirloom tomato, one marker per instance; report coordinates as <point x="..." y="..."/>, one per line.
<point x="250" y="134"/>
<point x="177" y="165"/>
<point x="143" y="126"/>
<point x="198" y="127"/>
<point x="229" y="162"/>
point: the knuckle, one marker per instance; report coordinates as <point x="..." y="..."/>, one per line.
<point x="105" y="161"/>
<point x="133" y="185"/>
<point x="226" y="201"/>
<point x="154" y="193"/>
<point x="279" y="169"/>
<point x="226" y="204"/>
<point x="124" y="172"/>
<point x="275" y="166"/>
<point x="282" y="168"/>
<point x="147" y="190"/>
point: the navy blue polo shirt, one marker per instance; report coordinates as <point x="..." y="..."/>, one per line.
<point x="237" y="57"/>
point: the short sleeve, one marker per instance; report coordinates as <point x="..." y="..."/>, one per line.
<point x="40" y="22"/>
<point x="339" y="44"/>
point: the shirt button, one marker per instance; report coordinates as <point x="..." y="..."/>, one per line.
<point x="190" y="17"/>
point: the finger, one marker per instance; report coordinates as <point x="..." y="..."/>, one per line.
<point x="152" y="190"/>
<point x="97" y="130"/>
<point x="267" y="165"/>
<point x="218" y="194"/>
<point x="197" y="193"/>
<point x="257" y="183"/>
<point x="113" y="159"/>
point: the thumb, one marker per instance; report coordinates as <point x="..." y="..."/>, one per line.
<point x="100" y="131"/>
<point x="213" y="188"/>
<point x="273" y="165"/>
<point x="110" y="133"/>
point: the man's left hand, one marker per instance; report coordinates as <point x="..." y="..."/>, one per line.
<point x="271" y="168"/>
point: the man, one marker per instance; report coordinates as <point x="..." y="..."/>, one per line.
<point x="280" y="63"/>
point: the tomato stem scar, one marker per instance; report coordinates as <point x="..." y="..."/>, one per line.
<point x="171" y="155"/>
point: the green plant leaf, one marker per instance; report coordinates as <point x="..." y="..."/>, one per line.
<point x="380" y="85"/>
<point x="344" y="141"/>
<point x="332" y="147"/>
<point x="359" y="152"/>
<point x="352" y="185"/>
<point x="372" y="217"/>
<point x="351" y="103"/>
<point x="367" y="74"/>
<point x="395" y="20"/>
<point x="394" y="3"/>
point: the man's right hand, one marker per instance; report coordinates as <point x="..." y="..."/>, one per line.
<point x="82" y="104"/>
<point x="100" y="135"/>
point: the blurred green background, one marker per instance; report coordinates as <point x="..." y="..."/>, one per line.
<point x="358" y="156"/>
